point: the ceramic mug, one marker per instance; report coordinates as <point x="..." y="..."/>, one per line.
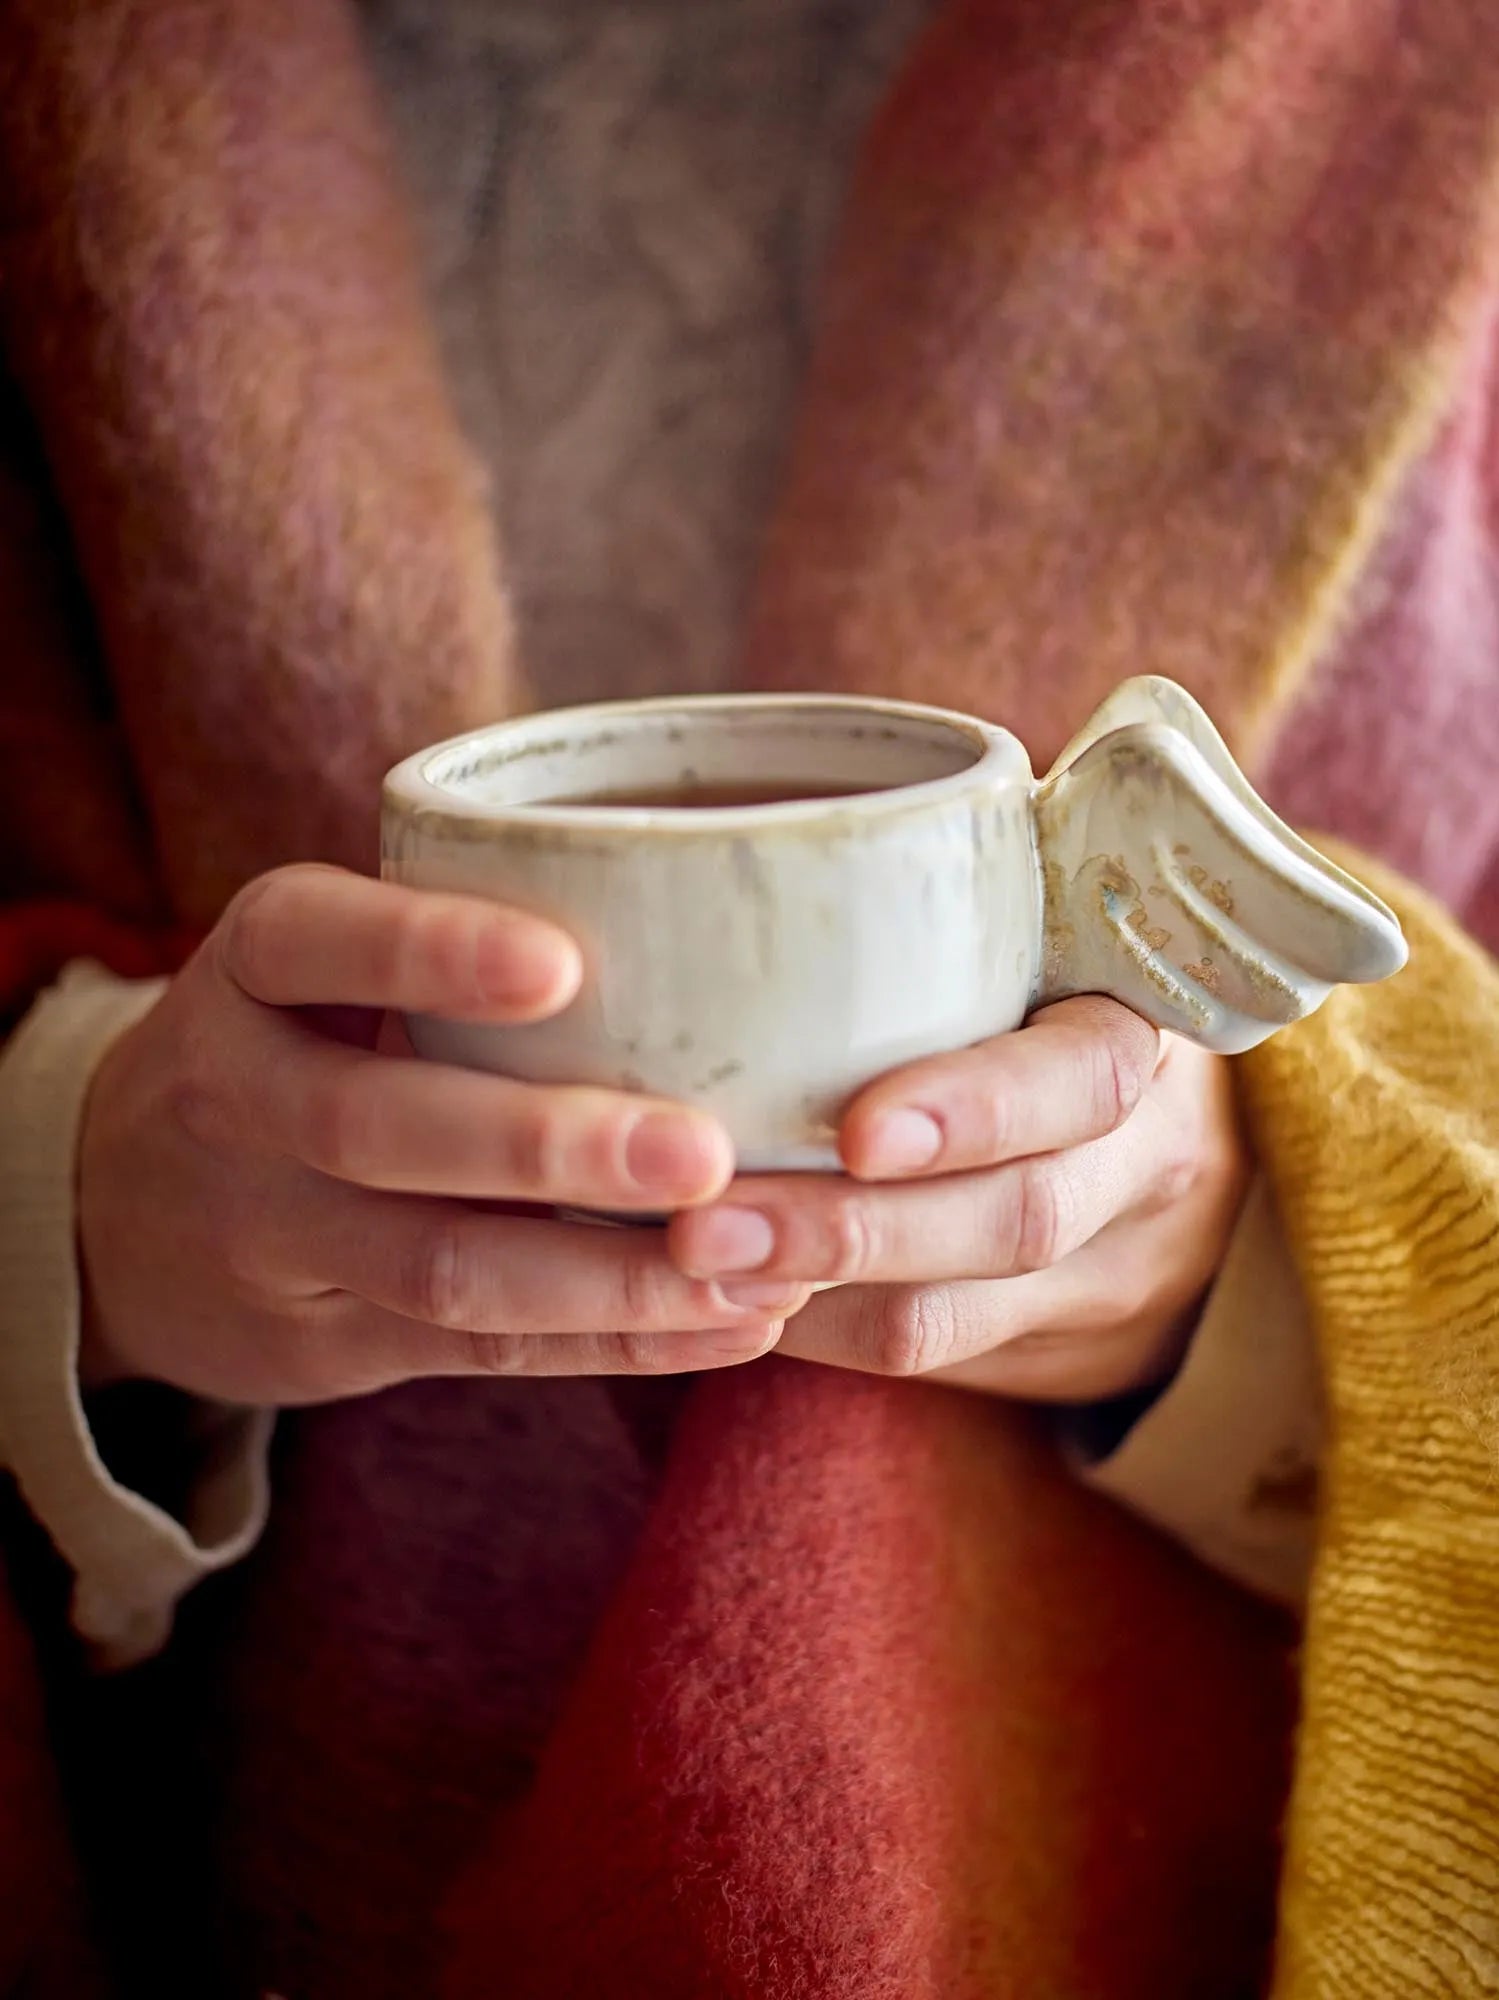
<point x="766" y="961"/>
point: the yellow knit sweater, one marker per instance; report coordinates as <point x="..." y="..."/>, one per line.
<point x="1379" y="1120"/>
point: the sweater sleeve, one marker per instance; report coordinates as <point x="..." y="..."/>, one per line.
<point x="132" y="1559"/>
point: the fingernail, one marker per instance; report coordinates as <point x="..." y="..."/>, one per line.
<point x="901" y="1142"/>
<point x="745" y="1343"/>
<point x="669" y="1154"/>
<point x="770" y="1296"/>
<point x="731" y="1239"/>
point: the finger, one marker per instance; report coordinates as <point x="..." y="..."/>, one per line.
<point x="425" y="1128"/>
<point x="1075" y="1072"/>
<point x="357" y="1346"/>
<point x="907" y="1331"/>
<point x="1111" y="1319"/>
<point x="447" y="1265"/>
<point x="310" y="936"/>
<point x="1055" y="1336"/>
<point x="1013" y="1219"/>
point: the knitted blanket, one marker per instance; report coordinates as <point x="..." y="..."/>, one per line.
<point x="1160" y="336"/>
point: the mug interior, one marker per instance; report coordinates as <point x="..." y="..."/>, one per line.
<point x="848" y="747"/>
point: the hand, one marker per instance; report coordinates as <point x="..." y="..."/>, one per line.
<point x="1037" y="1217"/>
<point x="273" y="1209"/>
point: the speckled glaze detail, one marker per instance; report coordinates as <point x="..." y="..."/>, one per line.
<point x="767" y="961"/>
<point x="1171" y="885"/>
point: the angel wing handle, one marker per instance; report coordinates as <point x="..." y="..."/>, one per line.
<point x="1170" y="885"/>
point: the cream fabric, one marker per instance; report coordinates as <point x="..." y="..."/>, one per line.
<point x="132" y="1562"/>
<point x="1226" y="1460"/>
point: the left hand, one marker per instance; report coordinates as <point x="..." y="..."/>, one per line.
<point x="1037" y="1217"/>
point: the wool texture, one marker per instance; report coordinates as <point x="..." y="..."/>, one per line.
<point x="1380" y="1124"/>
<point x="1139" y="315"/>
<point x="1161" y="338"/>
<point x="209" y="298"/>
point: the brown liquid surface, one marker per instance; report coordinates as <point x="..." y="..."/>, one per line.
<point x="702" y="798"/>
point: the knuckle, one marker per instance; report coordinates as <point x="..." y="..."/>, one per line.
<point x="337" y="1125"/>
<point x="239" y="1267"/>
<point x="1042" y="1205"/>
<point x="442" y="950"/>
<point x="497" y="1354"/>
<point x="198" y="1108"/>
<point x="849" y="1246"/>
<point x="423" y="948"/>
<point x="911" y="1331"/>
<point x="246" y="940"/>
<point x="389" y="948"/>
<point x="1117" y="1075"/>
<point x="1178" y="1175"/>
<point x="995" y="1117"/>
<point x="444" y="1292"/>
<point x="536" y="1152"/>
<point x="641" y="1294"/>
<point x="629" y="1351"/>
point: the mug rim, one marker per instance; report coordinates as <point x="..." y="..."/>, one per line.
<point x="414" y="787"/>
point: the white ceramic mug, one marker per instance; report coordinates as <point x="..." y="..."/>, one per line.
<point x="766" y="961"/>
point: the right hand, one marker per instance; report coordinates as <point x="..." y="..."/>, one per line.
<point x="280" y="1204"/>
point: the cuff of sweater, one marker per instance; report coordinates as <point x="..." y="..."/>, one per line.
<point x="131" y="1558"/>
<point x="1225" y="1457"/>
